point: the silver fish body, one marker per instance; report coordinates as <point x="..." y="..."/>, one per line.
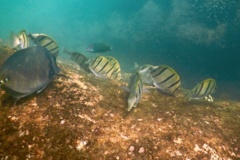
<point x="165" y="78"/>
<point x="203" y="90"/>
<point x="20" y="41"/>
<point x="27" y="71"/>
<point x="45" y="41"/>
<point x="136" y="89"/>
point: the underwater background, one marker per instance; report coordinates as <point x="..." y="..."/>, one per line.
<point x="199" y="39"/>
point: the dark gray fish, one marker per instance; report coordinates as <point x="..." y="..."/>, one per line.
<point x="98" y="48"/>
<point x="27" y="71"/>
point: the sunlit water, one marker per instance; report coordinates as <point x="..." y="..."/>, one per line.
<point x="199" y="39"/>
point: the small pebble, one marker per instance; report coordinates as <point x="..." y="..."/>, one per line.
<point x="131" y="148"/>
<point x="62" y="122"/>
<point x="159" y="119"/>
<point x="141" y="150"/>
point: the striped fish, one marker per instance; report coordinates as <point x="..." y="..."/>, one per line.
<point x="116" y="70"/>
<point x="136" y="88"/>
<point x="80" y="59"/>
<point x="203" y="90"/>
<point x="104" y="67"/>
<point x="165" y="78"/>
<point x="19" y="41"/>
<point x="101" y="67"/>
<point x="45" y="41"/>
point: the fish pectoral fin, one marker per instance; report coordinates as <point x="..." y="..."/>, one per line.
<point x="41" y="89"/>
<point x="132" y="101"/>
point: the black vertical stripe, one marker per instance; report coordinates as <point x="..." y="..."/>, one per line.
<point x="24" y="40"/>
<point x="40" y="38"/>
<point x="117" y="72"/>
<point x="103" y="67"/>
<point x="83" y="61"/>
<point x="111" y="69"/>
<point x="53" y="49"/>
<point x="175" y="90"/>
<point x="208" y="86"/>
<point x="214" y="85"/>
<point x="132" y="79"/>
<point x="97" y="63"/>
<point x="48" y="43"/>
<point x="200" y="89"/>
<point x="168" y="78"/>
<point x="175" y="83"/>
<point x="159" y="72"/>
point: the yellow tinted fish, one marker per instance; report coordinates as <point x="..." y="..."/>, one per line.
<point x="136" y="88"/>
<point x="115" y="72"/>
<point x="203" y="90"/>
<point x="165" y="78"/>
<point x="47" y="42"/>
<point x="101" y="67"/>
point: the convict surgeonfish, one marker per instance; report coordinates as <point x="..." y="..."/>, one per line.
<point x="165" y="78"/>
<point x="19" y="41"/>
<point x="136" y="88"/>
<point x="98" y="48"/>
<point x="115" y="72"/>
<point x="104" y="68"/>
<point x="203" y="90"/>
<point x="80" y="59"/>
<point x="45" y="41"/>
<point x="27" y="71"/>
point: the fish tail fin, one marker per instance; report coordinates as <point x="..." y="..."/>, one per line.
<point x="14" y="41"/>
<point x="186" y="93"/>
<point x="135" y="67"/>
<point x="66" y="51"/>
